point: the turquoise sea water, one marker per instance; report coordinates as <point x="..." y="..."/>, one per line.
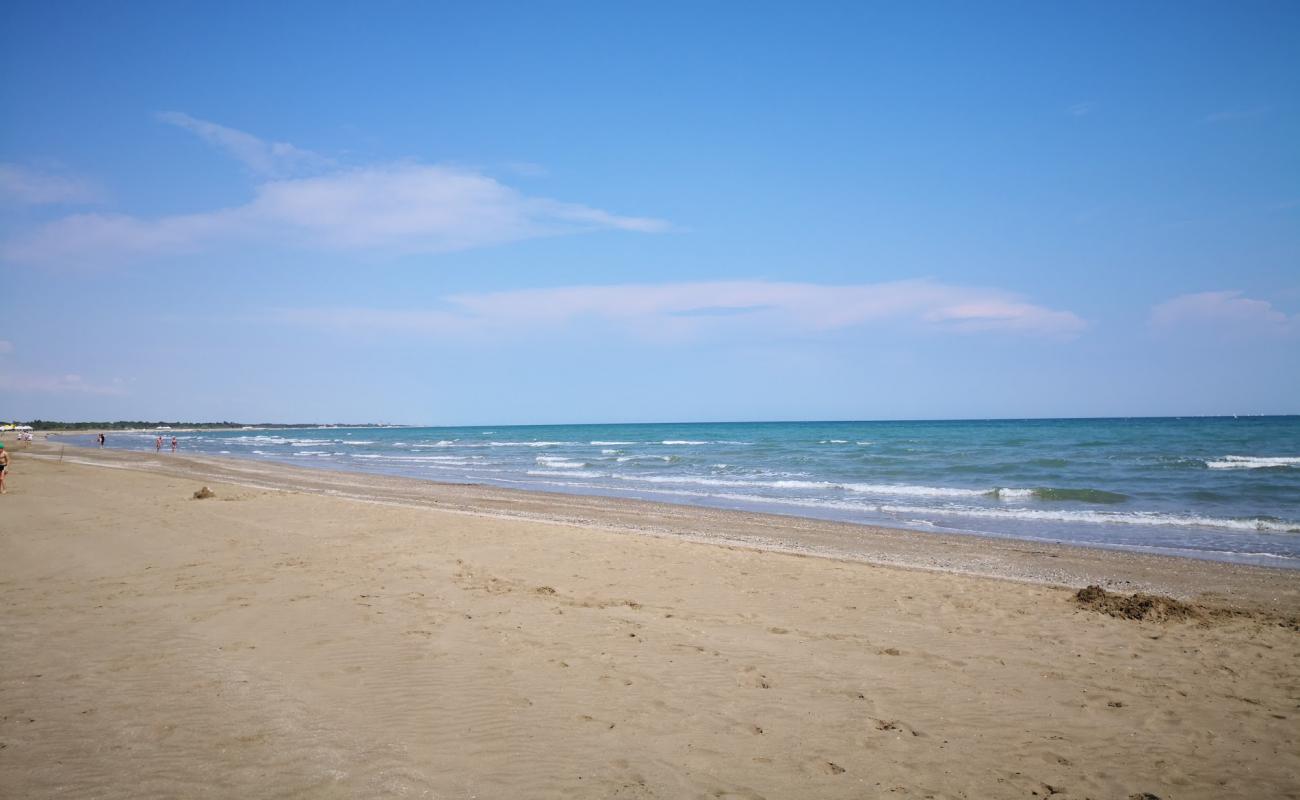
<point x="1220" y="488"/>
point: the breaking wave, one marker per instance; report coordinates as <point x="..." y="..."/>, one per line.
<point x="1255" y="462"/>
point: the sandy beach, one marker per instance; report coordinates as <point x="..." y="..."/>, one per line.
<point x="314" y="634"/>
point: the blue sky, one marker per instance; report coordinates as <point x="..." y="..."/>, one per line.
<point x="570" y="212"/>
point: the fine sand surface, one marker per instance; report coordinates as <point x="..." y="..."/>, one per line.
<point x="306" y="634"/>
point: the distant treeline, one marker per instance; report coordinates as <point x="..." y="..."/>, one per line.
<point x="121" y="425"/>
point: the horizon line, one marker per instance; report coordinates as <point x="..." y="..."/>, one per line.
<point x="680" y="422"/>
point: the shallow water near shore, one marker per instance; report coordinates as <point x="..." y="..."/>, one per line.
<point x="1219" y="488"/>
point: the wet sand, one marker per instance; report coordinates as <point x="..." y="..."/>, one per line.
<point x="312" y="634"/>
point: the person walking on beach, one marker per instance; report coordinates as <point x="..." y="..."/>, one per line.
<point x="173" y="444"/>
<point x="4" y="466"/>
<point x="157" y="445"/>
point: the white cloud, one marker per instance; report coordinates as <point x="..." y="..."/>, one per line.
<point x="404" y="207"/>
<point x="98" y="239"/>
<point x="6" y="347"/>
<point x="56" y="384"/>
<point x="1082" y="109"/>
<point x="1226" y="310"/>
<point x="677" y="310"/>
<point x="396" y="208"/>
<point x="262" y="157"/>
<point x="21" y="185"/>
<point x="421" y="208"/>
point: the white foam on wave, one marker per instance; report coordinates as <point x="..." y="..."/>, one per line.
<point x="565" y="473"/>
<point x="834" y="441"/>
<point x="410" y="459"/>
<point x="528" y="444"/>
<point x="598" y="443"/>
<point x="1253" y="462"/>
<point x="682" y="441"/>
<point x="859" y="488"/>
<point x="1147" y="518"/>
<point x="259" y="439"/>
<point x="1109" y="518"/>
<point x="556" y="462"/>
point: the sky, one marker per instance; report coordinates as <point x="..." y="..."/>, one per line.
<point x="562" y="212"/>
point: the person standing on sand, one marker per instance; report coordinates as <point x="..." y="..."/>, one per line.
<point x="173" y="444"/>
<point x="4" y="466"/>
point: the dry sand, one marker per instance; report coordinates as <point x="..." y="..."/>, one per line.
<point x="313" y="635"/>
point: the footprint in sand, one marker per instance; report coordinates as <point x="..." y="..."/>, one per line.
<point x="750" y="676"/>
<point x="896" y="725"/>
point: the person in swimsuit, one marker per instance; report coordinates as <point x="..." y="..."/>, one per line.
<point x="4" y="466"/>
<point x="173" y="444"/>
<point x="101" y="440"/>
<point x="157" y="445"/>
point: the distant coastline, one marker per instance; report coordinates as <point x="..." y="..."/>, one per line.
<point x="141" y="425"/>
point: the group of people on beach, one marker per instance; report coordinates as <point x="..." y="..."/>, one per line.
<point x="27" y="437"/>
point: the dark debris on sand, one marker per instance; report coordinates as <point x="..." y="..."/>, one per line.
<point x="1158" y="608"/>
<point x="1139" y="606"/>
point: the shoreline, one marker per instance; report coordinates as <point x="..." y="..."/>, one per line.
<point x="1214" y="583"/>
<point x="1195" y="506"/>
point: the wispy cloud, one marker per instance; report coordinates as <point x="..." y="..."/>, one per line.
<point x="1223" y="311"/>
<point x="273" y="159"/>
<point x="57" y="384"/>
<point x="677" y="310"/>
<point x="21" y="185"/>
<point x="1080" y="109"/>
<point x="1235" y="115"/>
<point x="6" y="347"/>
<point x="404" y="207"/>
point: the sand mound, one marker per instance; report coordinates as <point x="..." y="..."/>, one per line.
<point x="1135" y="606"/>
<point x="204" y="494"/>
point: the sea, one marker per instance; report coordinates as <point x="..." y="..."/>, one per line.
<point x="1222" y="488"/>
